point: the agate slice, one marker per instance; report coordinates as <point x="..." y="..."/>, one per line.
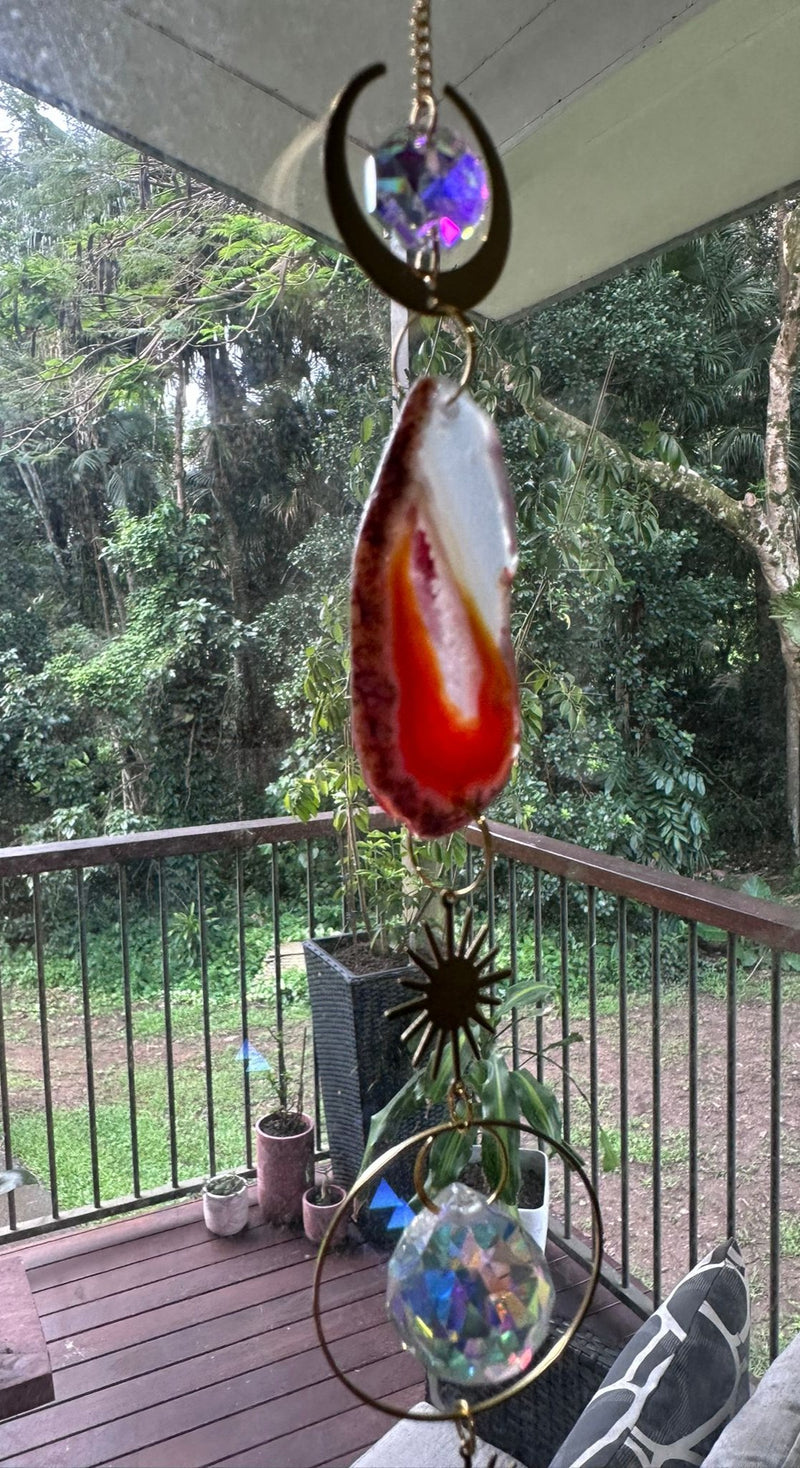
<point x="435" y="703"/>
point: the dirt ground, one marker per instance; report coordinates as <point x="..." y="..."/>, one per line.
<point x="752" y="1141"/>
<point x="753" y="1122"/>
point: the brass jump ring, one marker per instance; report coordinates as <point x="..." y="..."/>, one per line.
<point x="451" y="893"/>
<point x="468" y="333"/>
<point x="558" y="1347"/>
<point x="420" y="1166"/>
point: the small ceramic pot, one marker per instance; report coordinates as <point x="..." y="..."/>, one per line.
<point x="284" y="1169"/>
<point x="317" y="1217"/>
<point x="226" y="1213"/>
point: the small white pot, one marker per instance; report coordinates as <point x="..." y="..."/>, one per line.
<point x="226" y="1213"/>
<point x="533" y="1220"/>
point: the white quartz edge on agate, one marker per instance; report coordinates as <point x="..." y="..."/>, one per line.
<point x="458" y="461"/>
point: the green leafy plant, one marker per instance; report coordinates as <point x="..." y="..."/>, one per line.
<point x="500" y="1091"/>
<point x="287" y="1118"/>
<point x="225" y="1184"/>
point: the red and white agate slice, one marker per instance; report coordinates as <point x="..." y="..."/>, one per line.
<point x="435" y="701"/>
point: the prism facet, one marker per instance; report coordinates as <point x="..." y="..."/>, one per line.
<point x="469" y="1290"/>
<point x="419" y="183"/>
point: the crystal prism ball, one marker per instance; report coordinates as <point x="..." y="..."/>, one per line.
<point x="469" y="1290"/>
<point x="418" y="184"/>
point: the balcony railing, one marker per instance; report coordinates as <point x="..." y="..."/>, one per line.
<point x="149" y="1001"/>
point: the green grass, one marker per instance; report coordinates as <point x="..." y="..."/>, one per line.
<point x="71" y="1131"/>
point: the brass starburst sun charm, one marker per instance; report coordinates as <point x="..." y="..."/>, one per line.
<point x="448" y="1001"/>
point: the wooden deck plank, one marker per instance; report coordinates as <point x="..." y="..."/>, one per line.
<point x="144" y="1272"/>
<point x="199" y="1391"/>
<point x="348" y="1435"/>
<point x="247" y="1428"/>
<point x="151" y="1245"/>
<point x="174" y="1290"/>
<point x="261" y="1290"/>
<point x="218" y="1332"/>
<point x="88" y="1239"/>
<point x="171" y="1347"/>
<point x="197" y="1373"/>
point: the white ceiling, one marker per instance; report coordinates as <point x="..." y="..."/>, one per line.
<point x="623" y="123"/>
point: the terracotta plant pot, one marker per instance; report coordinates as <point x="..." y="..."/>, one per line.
<point x="317" y="1217"/>
<point x="225" y="1213"/>
<point x="284" y="1168"/>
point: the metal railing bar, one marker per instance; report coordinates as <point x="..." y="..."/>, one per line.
<point x="655" y="976"/>
<point x="5" y="1113"/>
<point x="776" y="998"/>
<point x="311" y="923"/>
<point x="38" y="937"/>
<point x="693" y="1097"/>
<point x="490" y="903"/>
<point x="732" y="998"/>
<point x="624" y="1136"/>
<point x="512" y="956"/>
<point x="625" y="1290"/>
<point x="276" y="943"/>
<point x="241" y="949"/>
<point x="566" y="1098"/>
<point x="206" y="999"/>
<point x="80" y="892"/>
<point x="538" y="968"/>
<point x="168" y="1045"/>
<point x="130" y="1053"/>
<point x="594" y="1098"/>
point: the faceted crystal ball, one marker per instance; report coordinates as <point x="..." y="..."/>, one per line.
<point x="469" y="1290"/>
<point x="416" y="183"/>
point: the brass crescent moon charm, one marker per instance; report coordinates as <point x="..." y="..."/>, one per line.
<point x="459" y="289"/>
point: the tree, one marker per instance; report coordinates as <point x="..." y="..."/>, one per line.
<point x="753" y="374"/>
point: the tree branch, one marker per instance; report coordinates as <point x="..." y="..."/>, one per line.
<point x="731" y="514"/>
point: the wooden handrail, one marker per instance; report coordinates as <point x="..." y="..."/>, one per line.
<point x="59" y="856"/>
<point x="771" y="923"/>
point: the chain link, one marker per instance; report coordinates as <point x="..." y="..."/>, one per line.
<point x="423" y="109"/>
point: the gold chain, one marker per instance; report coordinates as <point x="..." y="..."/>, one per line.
<point x="423" y="101"/>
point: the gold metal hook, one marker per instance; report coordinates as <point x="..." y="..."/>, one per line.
<point x="421" y="1164"/>
<point x="451" y="893"/>
<point x="467" y="330"/>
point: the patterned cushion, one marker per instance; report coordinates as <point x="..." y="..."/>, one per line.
<point x="679" y="1380"/>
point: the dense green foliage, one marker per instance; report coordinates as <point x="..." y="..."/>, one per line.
<point x="193" y="400"/>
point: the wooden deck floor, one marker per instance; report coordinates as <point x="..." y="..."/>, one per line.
<point x="170" y="1347"/>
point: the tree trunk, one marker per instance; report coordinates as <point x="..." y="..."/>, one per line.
<point x="178" y="470"/>
<point x="790" y="652"/>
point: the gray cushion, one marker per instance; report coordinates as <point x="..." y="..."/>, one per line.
<point x="428" y="1445"/>
<point x="678" y="1382"/>
<point x="766" y="1433"/>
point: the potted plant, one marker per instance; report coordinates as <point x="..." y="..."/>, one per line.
<point x="320" y="1203"/>
<point x="501" y="1091"/>
<point x="226" y="1204"/>
<point x="284" y="1149"/>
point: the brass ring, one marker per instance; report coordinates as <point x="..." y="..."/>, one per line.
<point x="468" y="333"/>
<point x="451" y="893"/>
<point x="550" y="1356"/>
<point x="424" y="1152"/>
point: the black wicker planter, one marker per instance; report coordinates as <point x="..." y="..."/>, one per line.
<point x="362" y="1063"/>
